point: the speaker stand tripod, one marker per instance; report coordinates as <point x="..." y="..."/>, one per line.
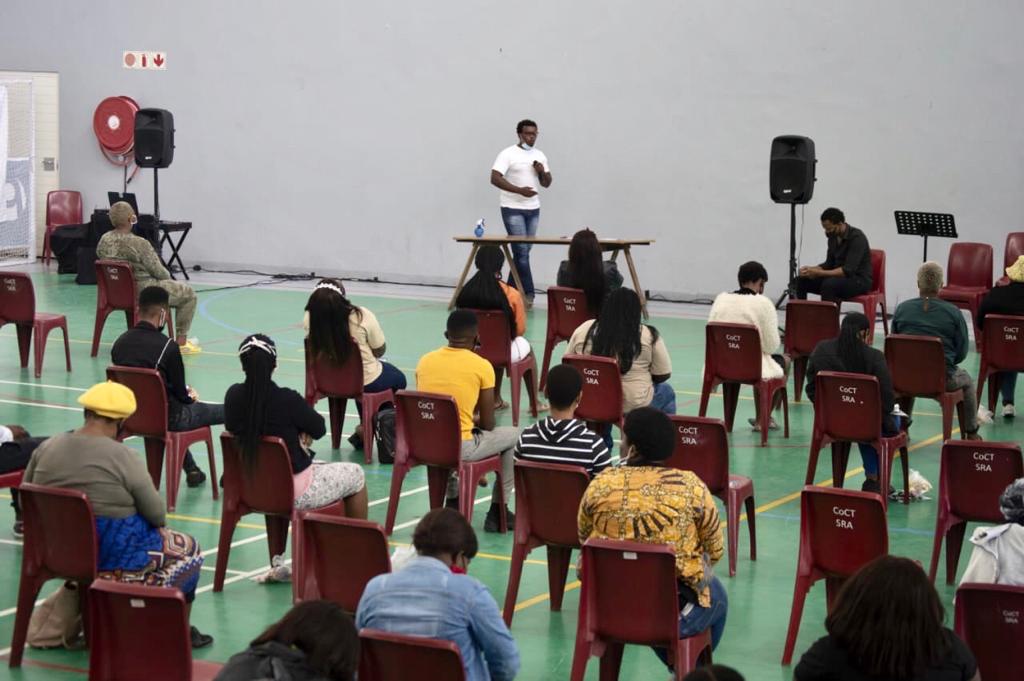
<point x="790" y="291"/>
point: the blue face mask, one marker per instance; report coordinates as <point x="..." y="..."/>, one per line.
<point x="525" y="146"/>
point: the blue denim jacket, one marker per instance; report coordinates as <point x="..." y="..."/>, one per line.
<point x="426" y="599"/>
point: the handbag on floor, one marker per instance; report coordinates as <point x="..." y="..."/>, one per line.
<point x="57" y="621"/>
<point x="384" y="433"/>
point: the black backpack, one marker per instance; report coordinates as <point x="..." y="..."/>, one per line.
<point x="384" y="434"/>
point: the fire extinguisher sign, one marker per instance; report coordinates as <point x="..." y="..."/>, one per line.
<point x="145" y="61"/>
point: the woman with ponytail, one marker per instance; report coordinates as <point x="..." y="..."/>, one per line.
<point x="260" y="407"/>
<point x="850" y="352"/>
<point x="336" y="328"/>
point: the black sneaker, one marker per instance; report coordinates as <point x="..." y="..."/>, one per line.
<point x="195" y="478"/>
<point x="492" y="523"/>
<point x="19" y="529"/>
<point x="199" y="639"/>
<point x="356" y="440"/>
<point x="871" y="485"/>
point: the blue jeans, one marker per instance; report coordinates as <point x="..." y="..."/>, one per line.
<point x="391" y="378"/>
<point x="698" y="618"/>
<point x="868" y="455"/>
<point x="664" y="400"/>
<point x="521" y="223"/>
<point x="1007" y="385"/>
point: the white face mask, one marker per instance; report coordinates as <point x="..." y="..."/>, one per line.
<point x="524" y="146"/>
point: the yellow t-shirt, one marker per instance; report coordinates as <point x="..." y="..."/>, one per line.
<point x="457" y="372"/>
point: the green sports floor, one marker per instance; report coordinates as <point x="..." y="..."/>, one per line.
<point x="759" y="595"/>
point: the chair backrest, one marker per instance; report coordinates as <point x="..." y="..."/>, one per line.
<point x="60" y="532"/>
<point x="732" y="352"/>
<point x="116" y="284"/>
<point x="990" y="620"/>
<point x="917" y="364"/>
<point x="135" y="630"/>
<point x="702" y="446"/>
<point x="567" y="309"/>
<point x="63" y="207"/>
<point x="629" y="592"/>
<point x="395" y="657"/>
<point x="602" y="388"/>
<point x="346" y="554"/>
<point x="150" y="417"/>
<point x="495" y="337"/>
<point x="427" y="428"/>
<point x="264" y="487"/>
<point x="17" y="298"/>
<point x="808" y="322"/>
<point x="1004" y="341"/>
<point x="970" y="264"/>
<point x="548" y="499"/>
<point x="877" y="270"/>
<point x="841" y="530"/>
<point x="1014" y="248"/>
<point x="972" y="475"/>
<point x="333" y="380"/>
<point x="847" y="406"/>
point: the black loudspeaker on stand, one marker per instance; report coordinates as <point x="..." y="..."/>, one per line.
<point x="154" y="146"/>
<point x="791" y="180"/>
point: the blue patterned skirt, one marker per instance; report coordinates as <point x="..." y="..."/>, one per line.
<point x="132" y="550"/>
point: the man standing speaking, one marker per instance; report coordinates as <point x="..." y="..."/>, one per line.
<point x="519" y="172"/>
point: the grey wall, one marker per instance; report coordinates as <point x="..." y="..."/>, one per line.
<point x="357" y="136"/>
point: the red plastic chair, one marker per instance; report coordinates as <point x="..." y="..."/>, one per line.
<point x="840" y="532"/>
<point x="874" y="298"/>
<point x="808" y="322"/>
<point x="702" y="446"/>
<point x="340" y="556"/>
<point x="63" y="207"/>
<point x="601" y="401"/>
<point x="1002" y="349"/>
<point x="968" y="279"/>
<point x="427" y="433"/>
<point x="496" y="348"/>
<point x="988" y="619"/>
<point x="972" y="475"/>
<point x="265" y="487"/>
<point x="644" y="613"/>
<point x="567" y="309"/>
<point x="115" y="290"/>
<point x="11" y="480"/>
<point x="384" y="656"/>
<point x="165" y="448"/>
<point x="732" y="357"/>
<point x="18" y="307"/>
<point x="918" y="368"/>
<point x="139" y="630"/>
<point x="60" y="542"/>
<point x="848" y="409"/>
<point x="339" y="384"/>
<point x="547" y="502"/>
<point x="1014" y="249"/>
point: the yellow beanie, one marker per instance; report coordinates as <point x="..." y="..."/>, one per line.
<point x="113" y="400"/>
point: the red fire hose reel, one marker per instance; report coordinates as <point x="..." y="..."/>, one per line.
<point x="114" y="125"/>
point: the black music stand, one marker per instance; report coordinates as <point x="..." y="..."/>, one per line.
<point x="925" y="225"/>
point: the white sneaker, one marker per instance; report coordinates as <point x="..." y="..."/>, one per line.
<point x="984" y="415"/>
<point x="1008" y="411"/>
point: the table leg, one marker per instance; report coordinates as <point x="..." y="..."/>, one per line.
<point x="636" y="281"/>
<point x="615" y="255"/>
<point x="462" y="277"/>
<point x="515" y="272"/>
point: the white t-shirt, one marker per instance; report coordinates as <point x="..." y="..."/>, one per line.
<point x="516" y="164"/>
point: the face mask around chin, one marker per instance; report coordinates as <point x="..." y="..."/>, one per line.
<point x="525" y="147"/>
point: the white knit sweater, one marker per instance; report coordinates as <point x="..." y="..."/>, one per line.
<point x="738" y="308"/>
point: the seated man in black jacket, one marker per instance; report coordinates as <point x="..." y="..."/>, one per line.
<point x="1006" y="300"/>
<point x="851" y="353"/>
<point x="846" y="272"/>
<point x="16" y="447"/>
<point x="146" y="346"/>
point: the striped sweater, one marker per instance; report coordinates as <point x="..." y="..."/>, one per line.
<point x="563" y="441"/>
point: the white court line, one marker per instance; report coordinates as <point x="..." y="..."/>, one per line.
<point x="46" y="385"/>
<point x="413" y="522"/>
<point x="403" y="494"/>
<point x="36" y="404"/>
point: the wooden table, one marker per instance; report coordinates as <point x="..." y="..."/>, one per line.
<point x="613" y="245"/>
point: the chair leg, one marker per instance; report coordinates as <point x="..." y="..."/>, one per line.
<point x="905" y="464"/>
<point x="803" y="584"/>
<point x="580" y="653"/>
<point x="67" y="347"/>
<point x="732" y="523"/>
<point x="437" y="482"/>
<point x="870" y="307"/>
<point x="514" y="390"/>
<point x="336" y="408"/>
<point x="38" y="348"/>
<point x="994" y="383"/>
<point x="812" y="459"/>
<point x="705" y="395"/>
<point x="730" y="398"/>
<point x="954" y="543"/>
<point x="947" y="419"/>
<point x="982" y="376"/>
<point x="155" y="459"/>
<point x="367" y="422"/>
<point x="765" y="408"/>
<point x="28" y="591"/>
<point x="785" y="412"/>
<point x="97" y="331"/>
<point x="799" y="371"/>
<point x="515" y="575"/>
<point x="840" y="462"/>
<point x="174" y="464"/>
<point x="215" y="482"/>
<point x="751" y="516"/>
<point x="398" y="472"/>
<point x="277" y="534"/>
<point x="559" y="558"/>
<point x="467" y="493"/>
<point x="549" y="346"/>
<point x="24" y="341"/>
<point x="228" y="520"/>
<point x="885" y="316"/>
<point x="611" y="661"/>
<point x="941" y="527"/>
<point x="530" y="378"/>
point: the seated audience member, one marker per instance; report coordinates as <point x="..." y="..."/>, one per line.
<point x="714" y="672"/>
<point x="886" y="623"/>
<point x="336" y="328"/>
<point x="134" y="542"/>
<point x="121" y="244"/>
<point x="586" y="269"/>
<point x="486" y="291"/>
<point x="749" y="305"/>
<point x="433" y="597"/>
<point x="314" y="641"/>
<point x="644" y="501"/>
<point x="930" y="316"/>
<point x="562" y="438"/>
<point x="467" y="377"/>
<point x="1007" y="300"/>
<point x="998" y="555"/>
<point x="16" y="447"/>
<point x="846" y="272"/>
<point x="259" y="407"/>
<point x="850" y="352"/>
<point x="145" y="346"/>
